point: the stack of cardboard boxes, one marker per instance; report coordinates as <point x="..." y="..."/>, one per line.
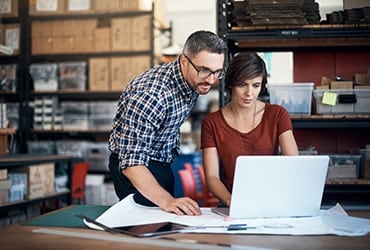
<point x="91" y="35"/>
<point x="39" y="180"/>
<point x="26" y="183"/>
<point x="114" y="73"/>
<point x="129" y="36"/>
<point x="58" y="7"/>
<point x="5" y="185"/>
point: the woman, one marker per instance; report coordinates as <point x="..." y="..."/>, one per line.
<point x="245" y="126"/>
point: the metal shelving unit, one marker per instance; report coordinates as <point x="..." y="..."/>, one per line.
<point x="12" y="162"/>
<point x="307" y="38"/>
<point x="24" y="94"/>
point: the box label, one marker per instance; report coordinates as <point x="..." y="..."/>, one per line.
<point x="5" y="6"/>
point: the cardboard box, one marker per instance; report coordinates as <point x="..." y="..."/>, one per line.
<point x="66" y="30"/>
<point x="85" y="27"/>
<point x="99" y="74"/>
<point x="4" y="196"/>
<point x="106" y="5"/>
<point x="121" y="30"/>
<point x="3" y="174"/>
<point x="84" y="44"/>
<point x="68" y="44"/>
<point x="141" y="35"/>
<point x="40" y="179"/>
<point x="48" y="176"/>
<point x="35" y="182"/>
<point x="4" y="190"/>
<point x="38" y="8"/>
<point x="124" y="69"/>
<point x="5" y="184"/>
<point x="350" y="4"/>
<point x="57" y="45"/>
<point x="119" y="73"/>
<point x="362" y="78"/>
<point x="42" y="45"/>
<point x="341" y="85"/>
<point x="129" y="5"/>
<point x="322" y="87"/>
<point x="40" y="29"/>
<point x="325" y="81"/>
<point x="139" y="65"/>
<point x="9" y="8"/>
<point x="102" y="40"/>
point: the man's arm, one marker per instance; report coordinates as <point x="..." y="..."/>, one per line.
<point x="147" y="185"/>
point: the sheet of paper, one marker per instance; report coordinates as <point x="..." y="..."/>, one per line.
<point x="128" y="213"/>
<point x="344" y="224"/>
<point x="334" y="221"/>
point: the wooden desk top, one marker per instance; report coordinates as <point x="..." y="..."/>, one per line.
<point x="22" y="237"/>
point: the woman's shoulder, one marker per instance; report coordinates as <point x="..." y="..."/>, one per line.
<point x="274" y="107"/>
<point x="274" y="110"/>
<point x="214" y="117"/>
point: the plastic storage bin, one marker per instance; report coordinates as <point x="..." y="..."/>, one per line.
<point x="348" y="101"/>
<point x="8" y="77"/>
<point x="295" y="97"/>
<point x="75" y="84"/>
<point x="97" y="155"/>
<point x="365" y="168"/>
<point x="45" y="84"/>
<point x="44" y="71"/>
<point x="72" y="69"/>
<point x="344" y="167"/>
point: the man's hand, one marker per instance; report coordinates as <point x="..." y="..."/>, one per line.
<point x="182" y="206"/>
<point x="148" y="186"/>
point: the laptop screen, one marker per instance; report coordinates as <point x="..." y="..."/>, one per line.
<point x="278" y="186"/>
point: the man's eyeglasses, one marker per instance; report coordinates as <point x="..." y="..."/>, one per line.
<point x="205" y="73"/>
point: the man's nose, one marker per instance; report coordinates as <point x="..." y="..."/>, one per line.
<point x="211" y="79"/>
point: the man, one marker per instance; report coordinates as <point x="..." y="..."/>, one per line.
<point x="145" y="137"/>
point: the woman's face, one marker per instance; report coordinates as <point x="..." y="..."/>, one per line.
<point x="246" y="93"/>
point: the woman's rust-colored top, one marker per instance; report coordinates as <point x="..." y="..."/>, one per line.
<point x="230" y="143"/>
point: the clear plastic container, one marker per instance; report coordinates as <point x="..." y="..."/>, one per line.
<point x="296" y="98"/>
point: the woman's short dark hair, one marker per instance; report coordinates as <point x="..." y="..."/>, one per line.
<point x="243" y="66"/>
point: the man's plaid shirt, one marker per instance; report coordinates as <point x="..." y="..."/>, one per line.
<point x="149" y="115"/>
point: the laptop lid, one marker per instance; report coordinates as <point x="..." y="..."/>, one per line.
<point x="278" y="186"/>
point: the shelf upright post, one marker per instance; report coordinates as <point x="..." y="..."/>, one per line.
<point x="222" y="30"/>
<point x="24" y="79"/>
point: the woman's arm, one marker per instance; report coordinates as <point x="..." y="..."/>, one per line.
<point x="288" y="145"/>
<point x="211" y="170"/>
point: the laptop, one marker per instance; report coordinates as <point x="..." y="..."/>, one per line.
<point x="277" y="186"/>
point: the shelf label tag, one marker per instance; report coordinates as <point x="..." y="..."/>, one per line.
<point x="329" y="98"/>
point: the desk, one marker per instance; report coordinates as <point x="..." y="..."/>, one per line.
<point x="22" y="237"/>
